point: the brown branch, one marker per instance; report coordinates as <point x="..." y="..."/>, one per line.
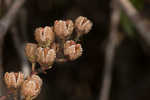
<point x="1" y="71"/>
<point x="110" y="52"/>
<point x="7" y="20"/>
<point x="5" y="23"/>
<point x="136" y="19"/>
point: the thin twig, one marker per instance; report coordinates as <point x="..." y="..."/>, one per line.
<point x="110" y="52"/>
<point x="7" y="20"/>
<point x="20" y="50"/>
<point x="136" y="19"/>
<point x="1" y="70"/>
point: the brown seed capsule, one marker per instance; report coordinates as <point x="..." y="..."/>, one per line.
<point x="37" y="79"/>
<point x="44" y="36"/>
<point x="13" y="80"/>
<point x="30" y="50"/>
<point x="83" y="25"/>
<point x="72" y="50"/>
<point x="31" y="87"/>
<point x="45" y="56"/>
<point x="63" y="29"/>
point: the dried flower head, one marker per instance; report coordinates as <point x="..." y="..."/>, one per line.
<point x="13" y="80"/>
<point x="45" y="56"/>
<point x="63" y="29"/>
<point x="30" y="50"/>
<point x="72" y="50"/>
<point x="83" y="25"/>
<point x="44" y="36"/>
<point x="31" y="87"/>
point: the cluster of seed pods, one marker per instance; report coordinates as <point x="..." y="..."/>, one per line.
<point x="30" y="87"/>
<point x="57" y="43"/>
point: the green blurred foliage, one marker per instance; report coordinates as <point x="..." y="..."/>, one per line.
<point x="138" y="4"/>
<point x="126" y="24"/>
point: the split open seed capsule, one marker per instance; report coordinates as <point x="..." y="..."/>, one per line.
<point x="13" y="80"/>
<point x="31" y="87"/>
<point x="72" y="50"/>
<point x="45" y="56"/>
<point x="83" y="25"/>
<point x="63" y="29"/>
<point x="44" y="36"/>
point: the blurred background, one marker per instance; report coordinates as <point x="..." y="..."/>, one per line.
<point x="81" y="79"/>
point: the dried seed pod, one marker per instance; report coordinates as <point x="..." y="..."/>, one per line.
<point x="30" y="50"/>
<point x="44" y="36"/>
<point x="31" y="87"/>
<point x="72" y="50"/>
<point x="45" y="56"/>
<point x="13" y="80"/>
<point x="63" y="29"/>
<point x="37" y="79"/>
<point x="83" y="25"/>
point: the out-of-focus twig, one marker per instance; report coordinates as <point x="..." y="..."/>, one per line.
<point x="20" y="50"/>
<point x="1" y="70"/>
<point x="7" y="20"/>
<point x="110" y="52"/>
<point x="136" y="19"/>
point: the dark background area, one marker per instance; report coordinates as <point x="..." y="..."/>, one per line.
<point x="81" y="79"/>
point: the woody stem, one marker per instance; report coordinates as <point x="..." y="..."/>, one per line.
<point x="77" y="37"/>
<point x="33" y="67"/>
<point x="28" y="98"/>
<point x="15" y="94"/>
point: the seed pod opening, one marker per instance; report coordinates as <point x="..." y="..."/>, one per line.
<point x="83" y="25"/>
<point x="13" y="80"/>
<point x="72" y="50"/>
<point x="31" y="87"/>
<point x="45" y="56"/>
<point x="63" y="29"/>
<point x="44" y="36"/>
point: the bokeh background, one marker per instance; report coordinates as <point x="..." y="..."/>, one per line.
<point x="82" y="79"/>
